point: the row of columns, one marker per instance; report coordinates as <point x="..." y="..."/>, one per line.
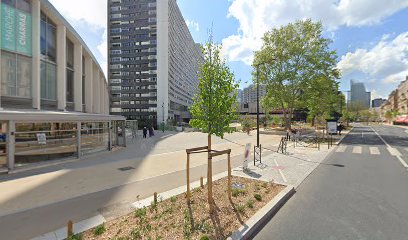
<point x="96" y="89"/>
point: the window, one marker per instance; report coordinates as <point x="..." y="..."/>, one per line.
<point x="15" y="75"/>
<point x="48" y="81"/>
<point x="48" y="39"/>
<point x="70" y="85"/>
<point x="70" y="54"/>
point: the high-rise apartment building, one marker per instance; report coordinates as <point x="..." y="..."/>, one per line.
<point x="153" y="61"/>
<point x="249" y="93"/>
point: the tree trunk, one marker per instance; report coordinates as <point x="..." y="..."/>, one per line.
<point x="313" y="121"/>
<point x="209" y="175"/>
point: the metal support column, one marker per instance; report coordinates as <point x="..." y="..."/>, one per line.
<point x="79" y="150"/>
<point x="11" y="144"/>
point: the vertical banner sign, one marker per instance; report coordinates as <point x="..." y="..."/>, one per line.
<point x="8" y="37"/>
<point x="16" y="31"/>
<point x="23" y="32"/>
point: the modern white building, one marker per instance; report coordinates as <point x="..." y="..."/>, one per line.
<point x="54" y="98"/>
<point x="153" y="61"/>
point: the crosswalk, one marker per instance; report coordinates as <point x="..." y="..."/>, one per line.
<point x="370" y="150"/>
<point x="358" y="149"/>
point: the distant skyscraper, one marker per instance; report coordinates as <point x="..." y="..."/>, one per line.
<point x="358" y="94"/>
<point x="153" y="61"/>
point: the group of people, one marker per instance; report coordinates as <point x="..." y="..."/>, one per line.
<point x="151" y="131"/>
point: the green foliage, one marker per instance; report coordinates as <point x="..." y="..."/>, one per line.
<point x="204" y="237"/>
<point x="75" y="237"/>
<point x="291" y="59"/>
<point x="99" y="230"/>
<point x="241" y="208"/>
<point x="235" y="192"/>
<point x="214" y="106"/>
<point x="173" y="199"/>
<point x="250" y="203"/>
<point x="258" y="197"/>
<point x="247" y="123"/>
<point x="140" y="212"/>
<point x="277" y="121"/>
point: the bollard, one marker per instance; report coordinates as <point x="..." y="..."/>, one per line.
<point x="188" y="177"/>
<point x="155" y="198"/>
<point x="202" y="182"/>
<point x="70" y="231"/>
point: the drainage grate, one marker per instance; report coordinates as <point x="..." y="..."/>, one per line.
<point x="125" y="168"/>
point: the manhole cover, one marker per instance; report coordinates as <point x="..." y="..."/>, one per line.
<point x="125" y="168"/>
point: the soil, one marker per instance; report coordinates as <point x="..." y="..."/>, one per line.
<point x="176" y="219"/>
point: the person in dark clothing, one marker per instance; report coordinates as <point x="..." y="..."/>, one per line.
<point x="340" y="127"/>
<point x="144" y="132"/>
<point x="151" y="131"/>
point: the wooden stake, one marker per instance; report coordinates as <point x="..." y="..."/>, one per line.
<point x="202" y="182"/>
<point x="70" y="231"/>
<point x="155" y="198"/>
<point x="209" y="174"/>
<point x="229" y="176"/>
<point x="188" y="177"/>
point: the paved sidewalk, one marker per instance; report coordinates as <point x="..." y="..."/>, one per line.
<point x="291" y="168"/>
<point x="146" y="158"/>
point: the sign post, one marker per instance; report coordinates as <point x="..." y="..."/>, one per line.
<point x="246" y="156"/>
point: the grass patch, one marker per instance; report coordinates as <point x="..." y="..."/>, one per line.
<point x="173" y="199"/>
<point x="75" y="237"/>
<point x="250" y="203"/>
<point x="204" y="237"/>
<point x="140" y="212"/>
<point x="99" y="230"/>
<point x="241" y="208"/>
<point x="235" y="192"/>
<point x="258" y="197"/>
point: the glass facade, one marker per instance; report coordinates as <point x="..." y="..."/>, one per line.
<point x="70" y="71"/>
<point x="3" y="144"/>
<point x="94" y="137"/>
<point x="37" y="142"/>
<point x="48" y="81"/>
<point x="15" y="75"/>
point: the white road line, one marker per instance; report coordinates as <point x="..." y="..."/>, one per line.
<point x="358" y="150"/>
<point x="393" y="151"/>
<point x="280" y="171"/>
<point x="341" y="149"/>
<point x="374" y="151"/>
<point x="406" y="149"/>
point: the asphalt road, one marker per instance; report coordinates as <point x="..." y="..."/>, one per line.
<point x="363" y="194"/>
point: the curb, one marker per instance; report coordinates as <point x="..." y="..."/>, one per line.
<point x="344" y="135"/>
<point x="259" y="220"/>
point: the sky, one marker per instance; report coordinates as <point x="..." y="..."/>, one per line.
<point x="370" y="36"/>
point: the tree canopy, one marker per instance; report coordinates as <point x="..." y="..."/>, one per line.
<point x="292" y="62"/>
<point x="214" y="106"/>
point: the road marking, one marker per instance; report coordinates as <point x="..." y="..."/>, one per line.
<point x="358" y="150"/>
<point x="374" y="151"/>
<point x="341" y="149"/>
<point x="393" y="151"/>
<point x="280" y="171"/>
<point x="406" y="149"/>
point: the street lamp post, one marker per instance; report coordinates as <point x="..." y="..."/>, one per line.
<point x="257" y="105"/>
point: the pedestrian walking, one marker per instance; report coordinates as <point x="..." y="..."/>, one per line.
<point x="340" y="127"/>
<point x="151" y="131"/>
<point x="144" y="132"/>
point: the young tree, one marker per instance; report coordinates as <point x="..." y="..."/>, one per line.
<point x="290" y="58"/>
<point x="214" y="106"/>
